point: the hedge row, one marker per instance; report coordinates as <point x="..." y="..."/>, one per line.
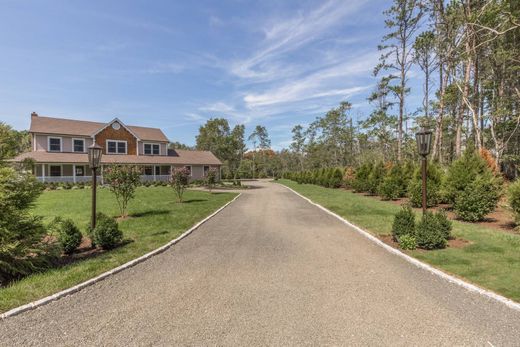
<point x="470" y="185"/>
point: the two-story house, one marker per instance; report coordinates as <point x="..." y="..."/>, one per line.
<point x="59" y="150"/>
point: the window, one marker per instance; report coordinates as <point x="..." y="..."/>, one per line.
<point x="55" y="144"/>
<point x="158" y="170"/>
<point x="80" y="171"/>
<point x="148" y="170"/>
<point x="152" y="149"/>
<point x="78" y="145"/>
<point x="116" y="147"/>
<point x="206" y="170"/>
<point x="55" y="170"/>
<point x="188" y="167"/>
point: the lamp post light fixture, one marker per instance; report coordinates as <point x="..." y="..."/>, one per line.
<point x="424" y="142"/>
<point x="94" y="160"/>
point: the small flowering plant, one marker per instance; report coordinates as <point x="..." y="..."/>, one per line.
<point x="211" y="178"/>
<point x="122" y="180"/>
<point x="179" y="181"/>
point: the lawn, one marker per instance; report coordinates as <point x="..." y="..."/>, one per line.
<point x="155" y="218"/>
<point x="492" y="260"/>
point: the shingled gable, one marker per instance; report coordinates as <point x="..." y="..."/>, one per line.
<point x="120" y="123"/>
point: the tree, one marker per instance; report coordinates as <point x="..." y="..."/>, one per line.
<point x="380" y="124"/>
<point x="235" y="150"/>
<point x="178" y="145"/>
<point x="298" y="143"/>
<point x="179" y="181"/>
<point x="213" y="136"/>
<point x="260" y="136"/>
<point x="22" y="245"/>
<point x="12" y="142"/>
<point x="403" y="20"/>
<point x="424" y="56"/>
<point x="122" y="181"/>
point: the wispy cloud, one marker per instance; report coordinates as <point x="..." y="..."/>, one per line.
<point x="284" y="35"/>
<point x="322" y="83"/>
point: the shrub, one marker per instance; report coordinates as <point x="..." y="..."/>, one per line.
<point x="479" y="198"/>
<point x="404" y="223"/>
<point x="179" y="181"/>
<point x="394" y="184"/>
<point x="122" y="180"/>
<point x="429" y="232"/>
<point x="433" y="184"/>
<point x="336" y="178"/>
<point x="408" y="242"/>
<point x="513" y="197"/>
<point x="376" y="178"/>
<point x="348" y="177"/>
<point x="106" y="234"/>
<point x="69" y="235"/>
<point x="444" y="223"/>
<point x="360" y="182"/>
<point x="462" y="172"/>
<point x="211" y="178"/>
<point x="22" y="249"/>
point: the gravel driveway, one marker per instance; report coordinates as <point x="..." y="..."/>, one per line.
<point x="270" y="269"/>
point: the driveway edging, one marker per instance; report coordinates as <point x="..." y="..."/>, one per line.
<point x="450" y="278"/>
<point x="131" y="263"/>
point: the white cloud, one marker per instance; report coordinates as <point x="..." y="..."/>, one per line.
<point x="323" y="83"/>
<point x="284" y="35"/>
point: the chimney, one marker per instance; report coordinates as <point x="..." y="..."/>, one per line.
<point x="34" y="114"/>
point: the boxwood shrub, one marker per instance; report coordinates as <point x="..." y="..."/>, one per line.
<point x="404" y="223"/>
<point x="106" y="234"/>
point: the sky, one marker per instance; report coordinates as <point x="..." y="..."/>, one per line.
<point x="175" y="64"/>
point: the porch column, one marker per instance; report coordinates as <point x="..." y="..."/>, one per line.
<point x="154" y="168"/>
<point x="43" y="173"/>
<point x="74" y="173"/>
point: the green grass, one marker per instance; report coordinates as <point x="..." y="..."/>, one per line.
<point x="156" y="218"/>
<point x="492" y="260"/>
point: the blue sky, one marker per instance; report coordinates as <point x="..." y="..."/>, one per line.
<point x="175" y="64"/>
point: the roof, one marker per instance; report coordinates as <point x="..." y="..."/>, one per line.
<point x="174" y="157"/>
<point x="62" y="126"/>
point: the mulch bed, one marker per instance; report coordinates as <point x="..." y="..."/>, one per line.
<point x="500" y="219"/>
<point x="452" y="243"/>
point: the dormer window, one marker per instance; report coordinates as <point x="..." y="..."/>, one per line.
<point x="54" y="144"/>
<point x="152" y="149"/>
<point x="116" y="147"/>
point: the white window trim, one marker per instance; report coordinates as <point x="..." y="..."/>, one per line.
<point x="80" y="165"/>
<point x="49" y="143"/>
<point x="204" y="170"/>
<point x="191" y="169"/>
<point x="79" y="139"/>
<point x="61" y="170"/>
<point x="117" y="141"/>
<point x="151" y="144"/>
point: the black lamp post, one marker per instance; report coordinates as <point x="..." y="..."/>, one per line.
<point x="424" y="141"/>
<point x="94" y="160"/>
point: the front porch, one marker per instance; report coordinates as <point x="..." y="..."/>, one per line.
<point x="77" y="173"/>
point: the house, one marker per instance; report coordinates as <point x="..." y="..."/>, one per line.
<point x="59" y="150"/>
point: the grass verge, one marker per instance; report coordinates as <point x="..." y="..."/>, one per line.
<point x="492" y="260"/>
<point x="155" y="218"/>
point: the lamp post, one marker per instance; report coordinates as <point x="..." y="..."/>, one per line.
<point x="94" y="160"/>
<point x="424" y="140"/>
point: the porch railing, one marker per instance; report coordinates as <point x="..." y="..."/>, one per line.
<point x="78" y="179"/>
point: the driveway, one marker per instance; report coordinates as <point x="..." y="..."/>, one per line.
<point x="270" y="269"/>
